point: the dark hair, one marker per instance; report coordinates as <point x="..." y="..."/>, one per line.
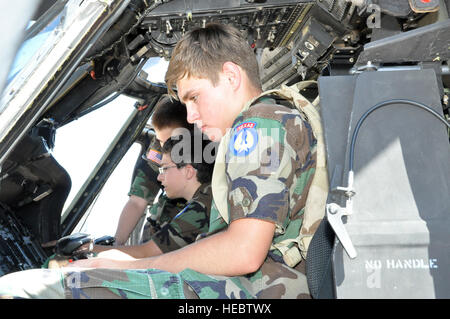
<point x="201" y="53"/>
<point x="184" y="149"/>
<point x="170" y="113"/>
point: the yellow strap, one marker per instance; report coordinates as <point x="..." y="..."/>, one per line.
<point x="317" y="196"/>
<point x="218" y="182"/>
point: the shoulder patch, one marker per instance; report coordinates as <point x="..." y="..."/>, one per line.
<point x="154" y="156"/>
<point x="244" y="139"/>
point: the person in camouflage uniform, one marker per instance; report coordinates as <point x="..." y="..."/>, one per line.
<point x="185" y="179"/>
<point x="144" y="189"/>
<point x="168" y="115"/>
<point x="264" y="167"/>
<point x="180" y="179"/>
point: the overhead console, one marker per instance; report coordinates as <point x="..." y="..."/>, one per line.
<point x="293" y="39"/>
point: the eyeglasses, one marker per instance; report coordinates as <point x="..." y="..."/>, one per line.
<point x="162" y="170"/>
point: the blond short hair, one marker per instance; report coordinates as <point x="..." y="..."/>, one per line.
<point x="202" y="52"/>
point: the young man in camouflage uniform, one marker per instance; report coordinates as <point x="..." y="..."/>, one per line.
<point x="185" y="179"/>
<point x="263" y="171"/>
<point x="143" y="191"/>
<point x="169" y="114"/>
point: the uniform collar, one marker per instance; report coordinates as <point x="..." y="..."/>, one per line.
<point x="201" y="190"/>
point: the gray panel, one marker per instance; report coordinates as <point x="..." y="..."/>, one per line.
<point x="336" y="100"/>
<point x="423" y="44"/>
<point x="401" y="212"/>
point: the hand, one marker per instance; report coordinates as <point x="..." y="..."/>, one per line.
<point x="58" y="262"/>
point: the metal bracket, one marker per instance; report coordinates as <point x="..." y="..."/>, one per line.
<point x="334" y="216"/>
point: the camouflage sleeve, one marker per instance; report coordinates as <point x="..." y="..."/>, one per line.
<point x="145" y="183"/>
<point x="144" y="186"/>
<point x="184" y="228"/>
<point x="260" y="165"/>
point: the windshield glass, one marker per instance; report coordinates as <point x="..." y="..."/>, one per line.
<point x="36" y="34"/>
<point x="29" y="48"/>
<point x="56" y="49"/>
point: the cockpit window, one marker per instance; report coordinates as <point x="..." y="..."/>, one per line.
<point x="30" y="47"/>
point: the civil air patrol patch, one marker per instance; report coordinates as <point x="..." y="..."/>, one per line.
<point x="244" y="139"/>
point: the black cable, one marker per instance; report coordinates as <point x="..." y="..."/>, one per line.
<point x="99" y="105"/>
<point x="119" y="92"/>
<point x="379" y="105"/>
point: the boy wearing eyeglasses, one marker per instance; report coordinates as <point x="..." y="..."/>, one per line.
<point x="188" y="176"/>
<point x="168" y="117"/>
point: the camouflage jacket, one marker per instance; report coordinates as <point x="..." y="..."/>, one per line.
<point x="144" y="182"/>
<point x="180" y="229"/>
<point x="161" y="213"/>
<point x="269" y="165"/>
